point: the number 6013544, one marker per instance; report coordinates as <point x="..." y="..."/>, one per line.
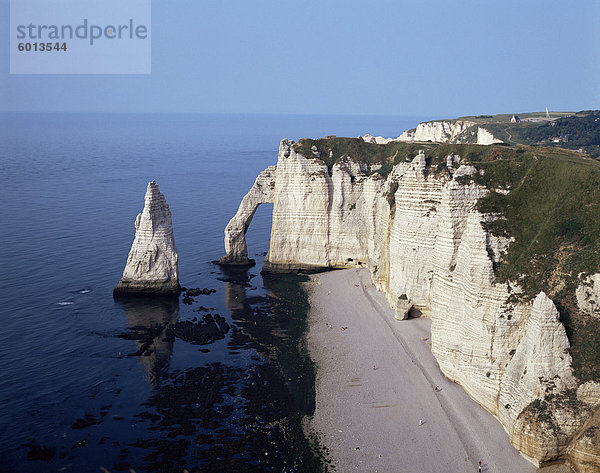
<point x="42" y="46"/>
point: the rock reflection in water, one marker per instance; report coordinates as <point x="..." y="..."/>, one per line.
<point x="267" y="323"/>
<point x="149" y="320"/>
<point x="236" y="280"/>
<point x="252" y="314"/>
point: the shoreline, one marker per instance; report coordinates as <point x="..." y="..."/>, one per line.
<point x="382" y="403"/>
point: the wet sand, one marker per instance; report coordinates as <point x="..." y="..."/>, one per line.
<point x="377" y="407"/>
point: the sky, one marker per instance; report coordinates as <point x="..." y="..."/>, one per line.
<point x="419" y="58"/>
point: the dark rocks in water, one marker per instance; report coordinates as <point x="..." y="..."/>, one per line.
<point x="39" y="452"/>
<point x="87" y="421"/>
<point x="219" y="417"/>
<point x="189" y="294"/>
<point x="103" y="411"/>
<point x="210" y="329"/>
<point x="148" y="416"/>
<point x="241" y="263"/>
<point x="197" y="291"/>
<point x="188" y="403"/>
<point x="205" y="309"/>
<point x="80" y="444"/>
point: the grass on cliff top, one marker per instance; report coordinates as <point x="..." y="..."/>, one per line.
<point x="574" y="131"/>
<point x="334" y="149"/>
<point x="552" y="211"/>
<point x="506" y="117"/>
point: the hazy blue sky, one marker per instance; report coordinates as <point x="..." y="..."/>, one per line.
<point x="434" y="58"/>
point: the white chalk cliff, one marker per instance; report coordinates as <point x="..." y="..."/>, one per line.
<point x="485" y="137"/>
<point x="422" y="237"/>
<point x="152" y="266"/>
<point x="450" y="131"/>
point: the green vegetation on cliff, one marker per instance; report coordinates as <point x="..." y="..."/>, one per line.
<point x="332" y="150"/>
<point x="552" y="212"/>
<point x="579" y="130"/>
<point x="569" y="130"/>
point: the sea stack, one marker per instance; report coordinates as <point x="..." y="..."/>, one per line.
<point x="152" y="263"/>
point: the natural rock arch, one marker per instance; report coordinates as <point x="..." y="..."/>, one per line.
<point x="262" y="192"/>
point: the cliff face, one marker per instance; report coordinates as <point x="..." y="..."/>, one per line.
<point x="425" y="242"/>
<point x="450" y="131"/>
<point x="152" y="264"/>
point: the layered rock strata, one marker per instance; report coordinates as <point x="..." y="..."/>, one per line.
<point x="425" y="242"/>
<point x="152" y="266"/>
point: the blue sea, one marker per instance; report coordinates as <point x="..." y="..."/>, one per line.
<point x="89" y="382"/>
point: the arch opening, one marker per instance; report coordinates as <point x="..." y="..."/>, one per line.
<point x="258" y="232"/>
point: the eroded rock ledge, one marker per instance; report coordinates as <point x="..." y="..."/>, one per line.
<point x="428" y="248"/>
<point x="152" y="266"/>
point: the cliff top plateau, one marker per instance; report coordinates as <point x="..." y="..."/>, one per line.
<point x="569" y="130"/>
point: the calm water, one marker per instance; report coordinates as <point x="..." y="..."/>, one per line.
<point x="86" y="381"/>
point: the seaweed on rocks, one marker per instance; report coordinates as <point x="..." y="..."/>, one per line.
<point x="40" y="452"/>
<point x="201" y="333"/>
<point x="220" y="417"/>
